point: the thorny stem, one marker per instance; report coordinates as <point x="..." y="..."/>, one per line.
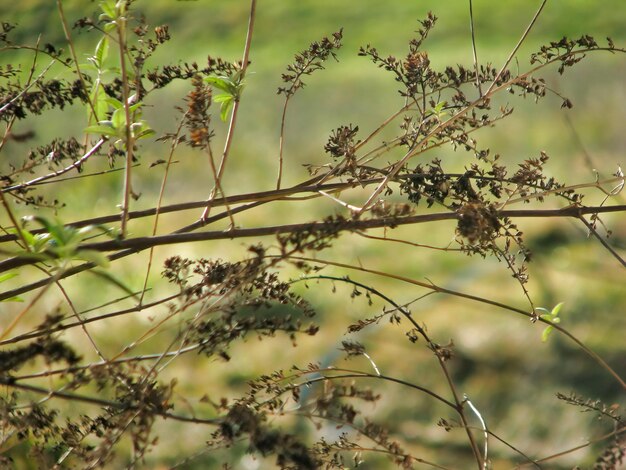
<point x="233" y="116"/>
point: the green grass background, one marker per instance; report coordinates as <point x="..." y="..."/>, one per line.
<point x="509" y="374"/>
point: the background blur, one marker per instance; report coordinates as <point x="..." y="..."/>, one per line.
<point x="501" y="363"/>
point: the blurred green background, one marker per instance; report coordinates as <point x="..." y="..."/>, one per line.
<point x="501" y="363"/>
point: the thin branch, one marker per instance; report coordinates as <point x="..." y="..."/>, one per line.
<point x="233" y="116"/>
<point x="129" y="140"/>
<point x="517" y="46"/>
<point x="474" y="53"/>
<point x="593" y="231"/>
<point x="54" y="174"/>
<point x="443" y="290"/>
<point x="134" y="245"/>
<point x="84" y="321"/>
<point x="27" y="87"/>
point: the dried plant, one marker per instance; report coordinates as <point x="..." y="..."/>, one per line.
<point x="109" y="402"/>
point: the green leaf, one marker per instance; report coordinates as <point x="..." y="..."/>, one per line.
<point x="103" y="129"/>
<point x="97" y="96"/>
<point x="7" y="276"/>
<point x="141" y="130"/>
<point x="546" y="333"/>
<point x="226" y="104"/>
<point x="119" y="118"/>
<point x="28" y="237"/>
<point x="110" y="26"/>
<point x="114" y="102"/>
<point x="222" y="83"/>
<point x="108" y="8"/>
<point x="557" y="309"/>
<point x="102" y="51"/>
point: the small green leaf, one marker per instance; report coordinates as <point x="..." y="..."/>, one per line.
<point x="221" y="83"/>
<point x="114" y="102"/>
<point x="141" y="130"/>
<point x="28" y="237"/>
<point x="108" y="8"/>
<point x="557" y="309"/>
<point x="110" y="26"/>
<point x="98" y="98"/>
<point x="102" y="51"/>
<point x="226" y="104"/>
<point x="103" y="129"/>
<point x="546" y="333"/>
<point x="119" y="118"/>
<point x="7" y="276"/>
<point x="135" y="108"/>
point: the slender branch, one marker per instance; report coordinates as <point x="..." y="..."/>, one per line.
<point x="474" y="53"/>
<point x="233" y="116"/>
<point x="54" y="174"/>
<point x="281" y="143"/>
<point x="142" y="243"/>
<point x="593" y="231"/>
<point x="517" y="46"/>
<point x="616" y="432"/>
<point x="434" y="348"/>
<point x="70" y="44"/>
<point x="28" y="86"/>
<point x="351" y="374"/>
<point x="129" y="140"/>
<point x="55" y="329"/>
<point x="443" y="290"/>
<point x="73" y="398"/>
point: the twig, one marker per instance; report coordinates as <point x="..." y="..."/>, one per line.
<point x="129" y="140"/>
<point x="593" y="231"/>
<point x="474" y="53"/>
<point x="27" y="87"/>
<point x="517" y="46"/>
<point x="443" y="290"/>
<point x="40" y="179"/>
<point x="484" y="428"/>
<point x="233" y="116"/>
